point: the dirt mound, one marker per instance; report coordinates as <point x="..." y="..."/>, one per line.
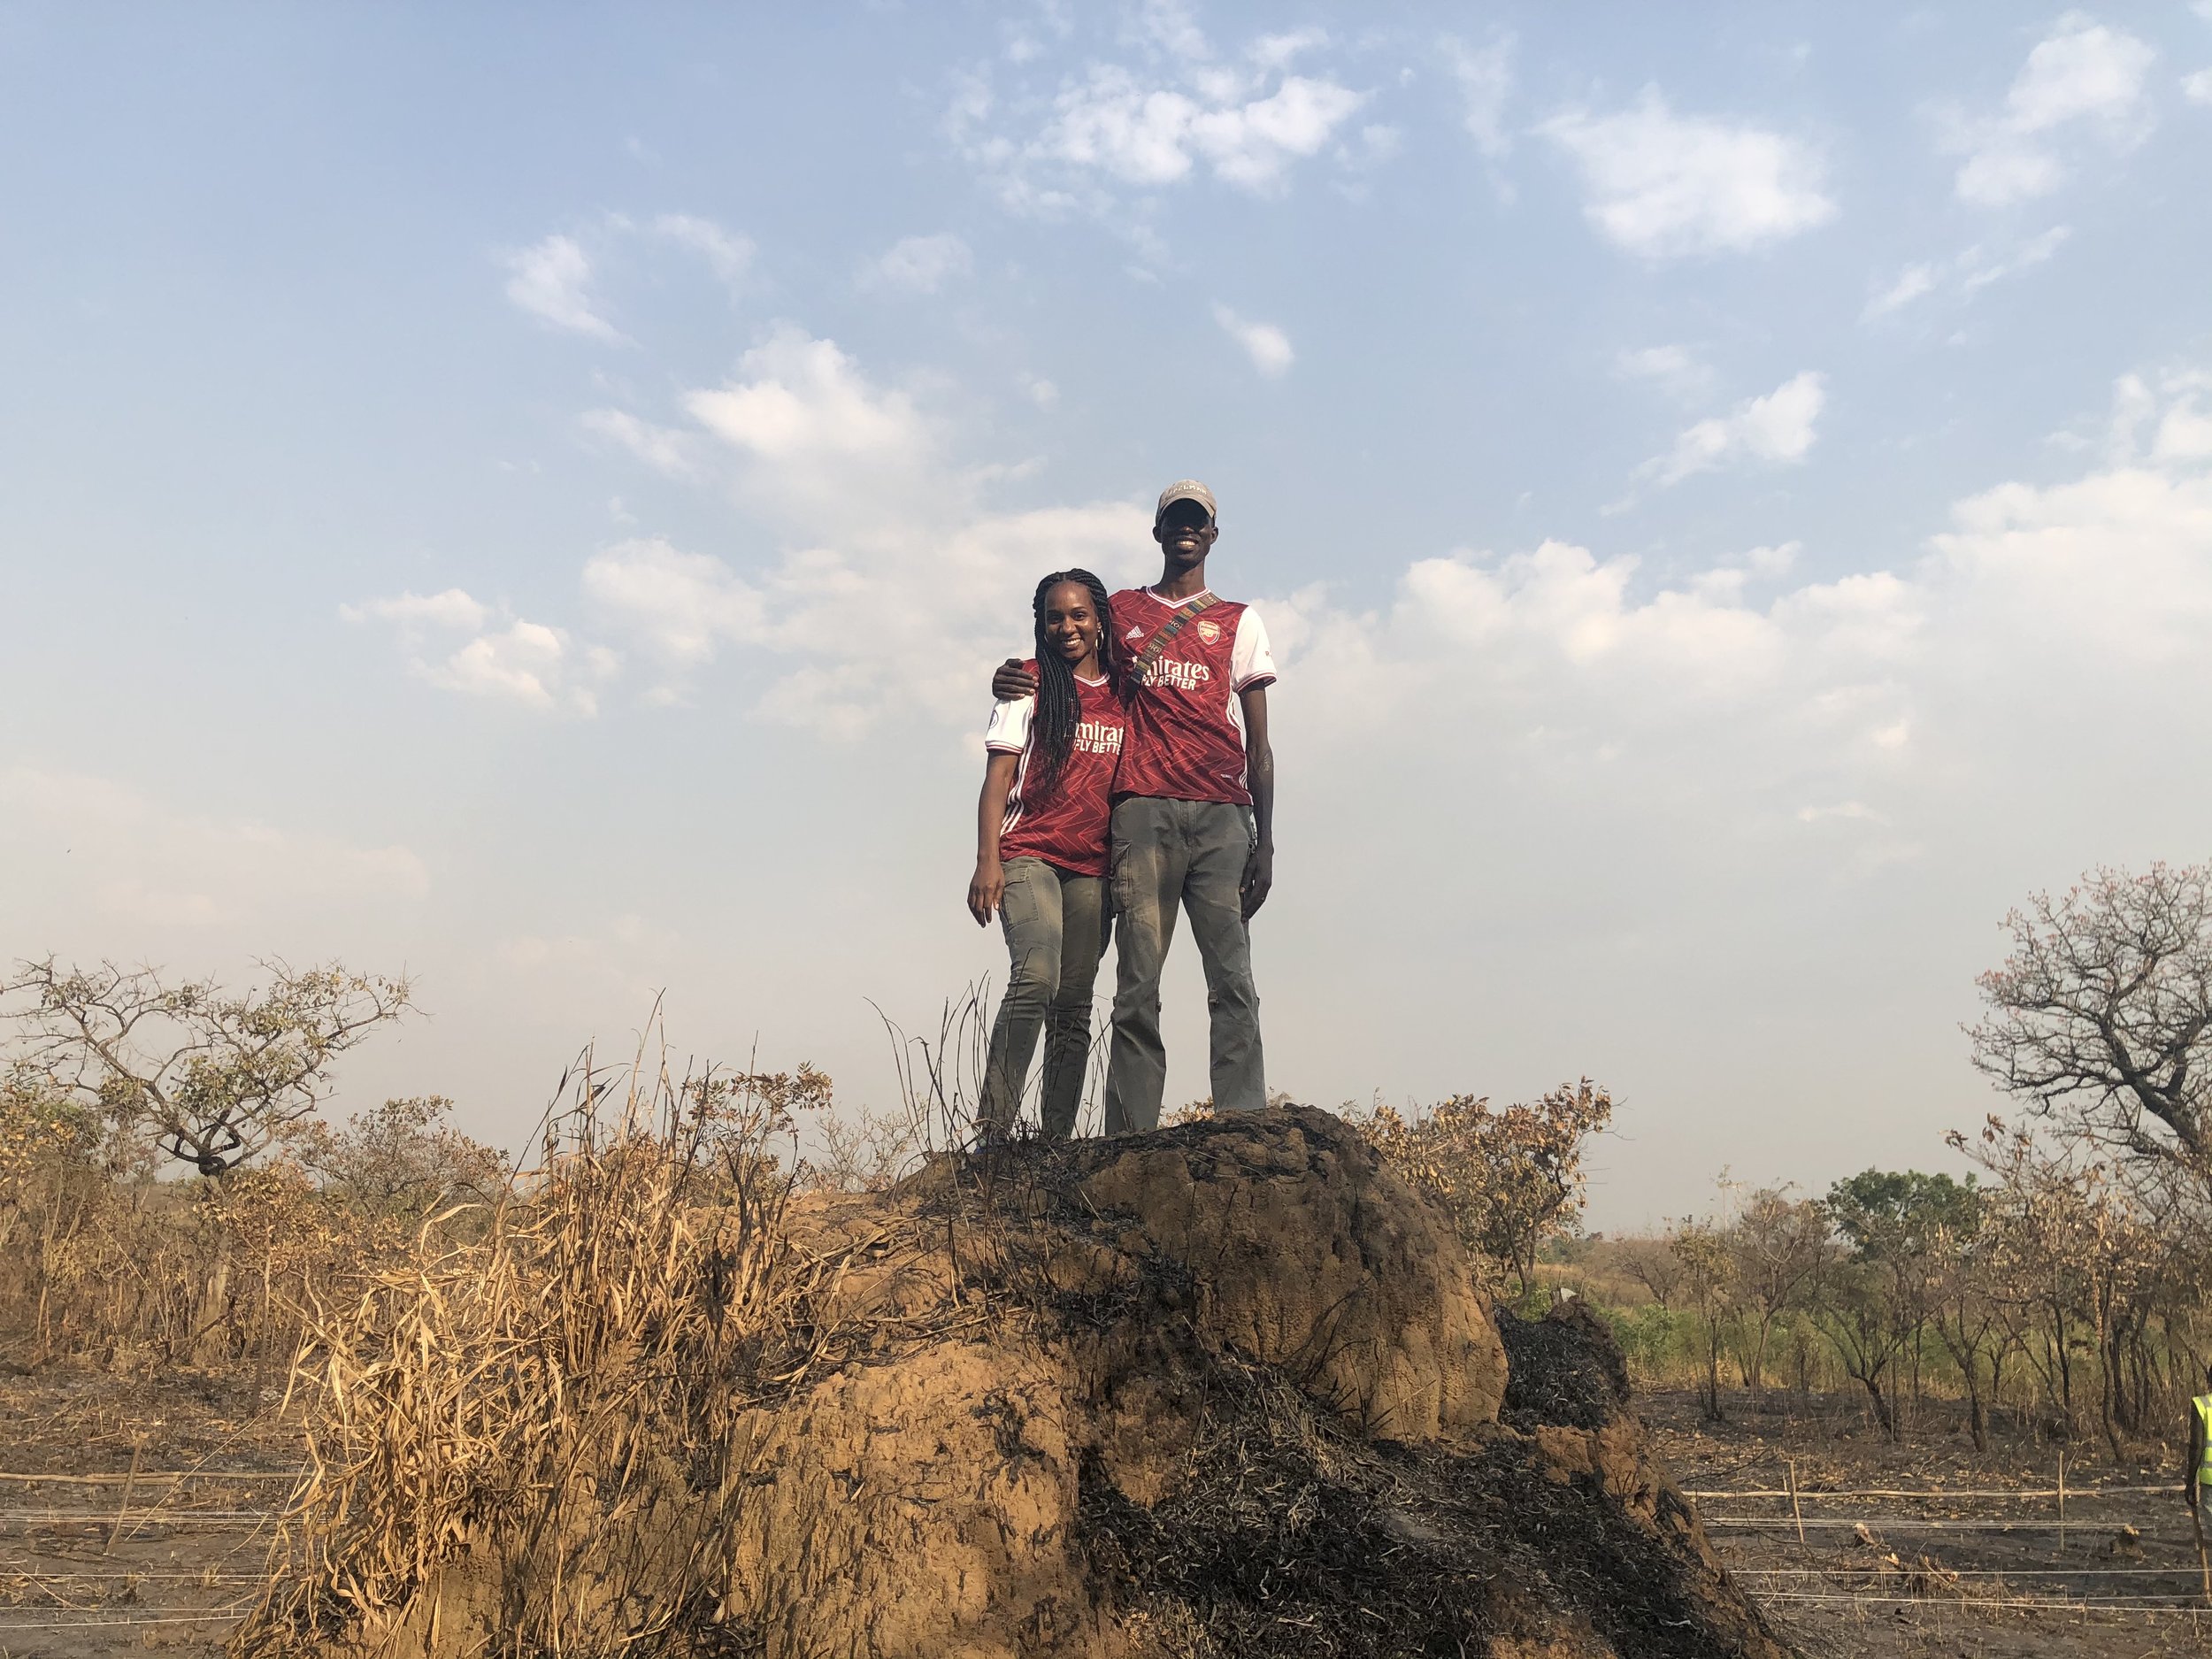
<point x="1221" y="1389"/>
<point x="1564" y="1369"/>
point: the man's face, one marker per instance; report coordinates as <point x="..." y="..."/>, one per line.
<point x="1185" y="533"/>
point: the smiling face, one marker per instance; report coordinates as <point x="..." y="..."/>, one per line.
<point x="1185" y="533"/>
<point x="1072" y="622"/>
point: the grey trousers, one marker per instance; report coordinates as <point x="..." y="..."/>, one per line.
<point x="1055" y="932"/>
<point x="1191" y="854"/>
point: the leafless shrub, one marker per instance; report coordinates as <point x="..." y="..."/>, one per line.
<point x="862" y="1151"/>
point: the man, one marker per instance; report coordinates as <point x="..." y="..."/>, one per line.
<point x="2200" y="1475"/>
<point x="1194" y="820"/>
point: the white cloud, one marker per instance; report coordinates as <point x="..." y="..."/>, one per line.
<point x="1914" y="281"/>
<point x="1967" y="274"/>
<point x="922" y="265"/>
<point x="885" y="592"/>
<point x="1167" y="27"/>
<point x="2012" y="655"/>
<point x="551" y="280"/>
<point x="1675" y="367"/>
<point x="1268" y="346"/>
<point x="1277" y="51"/>
<point x="905" y="619"/>
<point x="2198" y="88"/>
<point x="2083" y="77"/>
<point x="809" y="431"/>
<point x="1155" y="136"/>
<point x="685" y="604"/>
<point x="1776" y="427"/>
<point x="671" y="453"/>
<point x="1486" y="84"/>
<point x="520" y="662"/>
<point x="1246" y="119"/>
<point x="1977" y="272"/>
<point x="115" y="852"/>
<point x="1665" y="186"/>
<point x="727" y="254"/>
<point x="1842" y="810"/>
<point x="452" y="609"/>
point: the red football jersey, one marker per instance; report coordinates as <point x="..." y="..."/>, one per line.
<point x="1068" y="827"/>
<point x="1186" y="728"/>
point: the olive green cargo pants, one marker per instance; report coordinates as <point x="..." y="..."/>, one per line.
<point x="1189" y="854"/>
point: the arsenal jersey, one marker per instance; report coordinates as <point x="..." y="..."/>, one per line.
<point x="1068" y="826"/>
<point x="1186" y="728"/>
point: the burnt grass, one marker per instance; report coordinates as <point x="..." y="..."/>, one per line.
<point x="1293" y="1535"/>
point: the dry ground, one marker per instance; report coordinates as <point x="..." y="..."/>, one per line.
<point x="186" y="1555"/>
<point x="74" y="1585"/>
<point x="2001" y="1548"/>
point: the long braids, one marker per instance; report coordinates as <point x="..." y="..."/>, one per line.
<point x="1059" y="700"/>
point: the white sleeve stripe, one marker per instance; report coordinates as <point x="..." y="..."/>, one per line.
<point x="1014" y="802"/>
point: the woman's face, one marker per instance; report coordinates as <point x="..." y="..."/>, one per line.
<point x="1071" y="620"/>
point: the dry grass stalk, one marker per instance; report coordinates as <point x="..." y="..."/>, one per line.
<point x="566" y="1386"/>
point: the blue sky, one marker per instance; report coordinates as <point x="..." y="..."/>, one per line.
<point x="531" y="499"/>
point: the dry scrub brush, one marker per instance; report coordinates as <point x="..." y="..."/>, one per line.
<point x="138" y="1274"/>
<point x="1512" y="1177"/>
<point x="568" y="1385"/>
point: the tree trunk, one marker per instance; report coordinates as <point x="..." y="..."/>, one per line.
<point x="214" y="1302"/>
<point x="2065" y="1366"/>
<point x="1756" y="1380"/>
<point x="1883" y="1415"/>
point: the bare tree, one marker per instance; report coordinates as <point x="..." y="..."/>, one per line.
<point x="2101" y="1016"/>
<point x="216" y="1076"/>
<point x="1652" y="1263"/>
<point x="1779" y="1244"/>
<point x="403" y="1159"/>
<point x="1708" y="1276"/>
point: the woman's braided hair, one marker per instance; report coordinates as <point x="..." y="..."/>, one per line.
<point x="1059" y="701"/>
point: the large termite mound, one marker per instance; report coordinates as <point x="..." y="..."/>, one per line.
<point x="1223" y="1389"/>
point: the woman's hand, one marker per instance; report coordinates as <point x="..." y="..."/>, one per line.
<point x="1012" y="681"/>
<point x="988" y="891"/>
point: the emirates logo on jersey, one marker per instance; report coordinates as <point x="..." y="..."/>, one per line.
<point x="1095" y="737"/>
<point x="1181" y="676"/>
<point x="1209" y="632"/>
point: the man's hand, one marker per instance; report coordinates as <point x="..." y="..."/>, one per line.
<point x="1259" y="875"/>
<point x="1013" y="681"/>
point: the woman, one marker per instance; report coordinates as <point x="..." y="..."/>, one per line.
<point x="1040" y="854"/>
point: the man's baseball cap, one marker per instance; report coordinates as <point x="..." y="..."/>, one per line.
<point x="1185" y="489"/>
